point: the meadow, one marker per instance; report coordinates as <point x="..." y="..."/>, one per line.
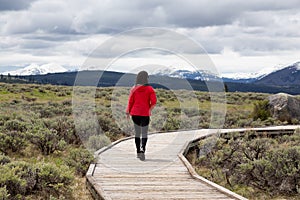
<point x="45" y="153"/>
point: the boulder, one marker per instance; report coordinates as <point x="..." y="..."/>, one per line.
<point x="284" y="107"/>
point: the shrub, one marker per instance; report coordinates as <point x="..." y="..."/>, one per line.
<point x="261" y="110"/>
<point x="13" y="141"/>
<point x="53" y="179"/>
<point x="86" y="127"/>
<point x="4" y="195"/>
<point x="4" y="119"/>
<point x="41" y="90"/>
<point x="65" y="128"/>
<point x="47" y="140"/>
<point x="11" y="179"/>
<point x="4" y="159"/>
<point x="26" y="172"/>
<point x="276" y="173"/>
<point x="189" y="123"/>
<point x="19" y="178"/>
<point x="80" y="160"/>
<point x="191" y="112"/>
<point x="252" y="160"/>
<point x="171" y="124"/>
<point x="15" y="101"/>
<point x="15" y="125"/>
<point x="67" y="103"/>
<point x="107" y="124"/>
<point x="61" y="94"/>
<point x="96" y="142"/>
<point x="29" y="99"/>
<point x="53" y="109"/>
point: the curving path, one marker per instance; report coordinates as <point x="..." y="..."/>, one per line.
<point x="165" y="174"/>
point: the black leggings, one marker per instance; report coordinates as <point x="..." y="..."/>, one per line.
<point x="141" y="125"/>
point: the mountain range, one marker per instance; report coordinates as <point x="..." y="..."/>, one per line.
<point x="277" y="76"/>
<point x="208" y="76"/>
<point x="290" y="73"/>
<point x="286" y="79"/>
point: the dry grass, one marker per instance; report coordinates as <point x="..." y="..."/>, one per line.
<point x="80" y="191"/>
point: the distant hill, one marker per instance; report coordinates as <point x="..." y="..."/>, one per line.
<point x="108" y="78"/>
<point x="287" y="77"/>
<point x="239" y="80"/>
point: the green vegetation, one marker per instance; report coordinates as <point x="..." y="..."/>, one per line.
<point x="42" y="155"/>
<point x="255" y="165"/>
<point x="261" y="110"/>
<point x="79" y="159"/>
<point x="21" y="178"/>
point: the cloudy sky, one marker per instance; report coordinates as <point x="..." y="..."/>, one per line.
<point x="238" y="36"/>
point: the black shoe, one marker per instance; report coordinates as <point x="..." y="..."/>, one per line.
<point x="142" y="156"/>
<point x="138" y="155"/>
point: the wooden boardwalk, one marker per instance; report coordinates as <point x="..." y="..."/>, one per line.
<point x="165" y="174"/>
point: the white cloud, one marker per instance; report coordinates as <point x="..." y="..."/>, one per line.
<point x="231" y="62"/>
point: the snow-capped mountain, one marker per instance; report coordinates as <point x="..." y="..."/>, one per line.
<point x="296" y="66"/>
<point x="249" y="77"/>
<point x="185" y="74"/>
<point x="35" y="69"/>
<point x="287" y="76"/>
<point x="280" y="75"/>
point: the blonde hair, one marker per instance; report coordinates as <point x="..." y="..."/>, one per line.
<point x="142" y="78"/>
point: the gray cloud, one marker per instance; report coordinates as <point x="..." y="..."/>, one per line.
<point x="70" y="17"/>
<point x="44" y="27"/>
<point x="6" y="5"/>
<point x="122" y="15"/>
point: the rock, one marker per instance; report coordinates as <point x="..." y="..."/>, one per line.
<point x="284" y="107"/>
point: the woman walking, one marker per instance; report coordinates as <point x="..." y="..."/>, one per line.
<point x="142" y="100"/>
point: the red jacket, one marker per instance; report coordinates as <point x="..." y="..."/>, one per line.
<point x="141" y="99"/>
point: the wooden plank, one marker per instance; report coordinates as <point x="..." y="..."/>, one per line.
<point x="96" y="191"/>
<point x="166" y="195"/>
<point x="118" y="174"/>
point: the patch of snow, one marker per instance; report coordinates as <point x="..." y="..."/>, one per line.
<point x="297" y="65"/>
<point x="35" y="69"/>
<point x="254" y="75"/>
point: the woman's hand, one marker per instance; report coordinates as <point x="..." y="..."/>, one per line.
<point x="127" y="116"/>
<point x="151" y="108"/>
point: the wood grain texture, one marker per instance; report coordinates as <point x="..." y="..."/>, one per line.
<point x="165" y="174"/>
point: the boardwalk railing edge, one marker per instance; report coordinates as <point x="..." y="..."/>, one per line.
<point x="194" y="174"/>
